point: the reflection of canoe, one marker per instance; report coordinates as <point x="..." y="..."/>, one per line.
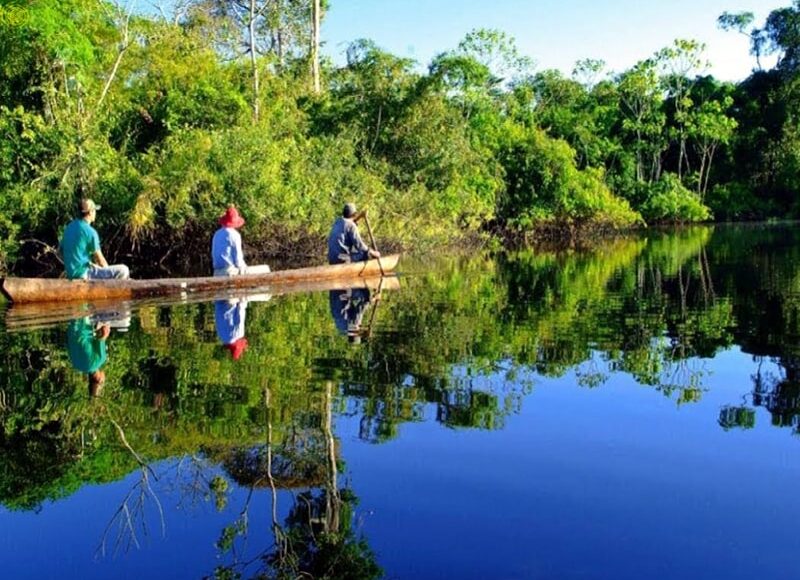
<point x="35" y="315"/>
<point x="59" y="290"/>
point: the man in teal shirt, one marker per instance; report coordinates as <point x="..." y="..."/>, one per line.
<point x="86" y="346"/>
<point x="80" y="248"/>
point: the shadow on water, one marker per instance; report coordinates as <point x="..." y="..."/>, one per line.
<point x="200" y="406"/>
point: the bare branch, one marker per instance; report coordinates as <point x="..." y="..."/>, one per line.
<point x="127" y="445"/>
<point x="124" y="45"/>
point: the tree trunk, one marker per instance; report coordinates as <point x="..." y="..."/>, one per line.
<point x="253" y="60"/>
<point x="708" y="169"/>
<point x="315" y="20"/>
<point x="701" y="173"/>
<point x="280" y="50"/>
<point x="682" y="155"/>
<point x="639" y="162"/>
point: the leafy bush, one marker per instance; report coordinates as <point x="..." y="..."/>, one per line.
<point x="543" y="183"/>
<point x="669" y="201"/>
<point x="736" y="201"/>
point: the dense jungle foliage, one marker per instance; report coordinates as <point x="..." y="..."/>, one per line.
<point x="167" y="118"/>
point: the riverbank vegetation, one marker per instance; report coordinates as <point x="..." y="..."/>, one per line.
<point x="165" y="118"/>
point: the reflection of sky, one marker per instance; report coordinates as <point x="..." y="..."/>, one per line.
<point x="616" y="481"/>
<point x="76" y="527"/>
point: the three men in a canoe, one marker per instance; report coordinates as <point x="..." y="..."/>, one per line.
<point x="344" y="242"/>
<point x="227" y="256"/>
<point x="83" y="258"/>
<point x="80" y="249"/>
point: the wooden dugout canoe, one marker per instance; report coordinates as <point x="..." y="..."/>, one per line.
<point x="26" y="290"/>
<point x="34" y="315"/>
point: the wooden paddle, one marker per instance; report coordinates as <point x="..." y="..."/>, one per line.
<point x="372" y="239"/>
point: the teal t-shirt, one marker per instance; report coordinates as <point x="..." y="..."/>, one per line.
<point x="87" y="352"/>
<point x="79" y="242"/>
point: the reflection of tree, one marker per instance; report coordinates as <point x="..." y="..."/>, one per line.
<point x="480" y="317"/>
<point x="590" y="375"/>
<point x="316" y="539"/>
<point x="780" y="394"/>
<point x="156" y="375"/>
<point x="469" y="408"/>
<point x="671" y="315"/>
<point x="30" y="462"/>
<point x="48" y="425"/>
<point x="737" y="417"/>
<point x="130" y="519"/>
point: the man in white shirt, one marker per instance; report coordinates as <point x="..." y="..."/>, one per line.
<point x="227" y="256"/>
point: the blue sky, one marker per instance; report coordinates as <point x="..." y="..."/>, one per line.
<point x="555" y="33"/>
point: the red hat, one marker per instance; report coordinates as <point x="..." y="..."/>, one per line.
<point x="237" y="348"/>
<point x="231" y="219"/>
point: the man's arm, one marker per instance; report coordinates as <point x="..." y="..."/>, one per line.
<point x="357" y="242"/>
<point x="237" y="242"/>
<point x="100" y="259"/>
<point x="94" y="249"/>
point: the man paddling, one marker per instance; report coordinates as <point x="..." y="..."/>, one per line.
<point x="80" y="248"/>
<point x="227" y="256"/>
<point x="344" y="242"/>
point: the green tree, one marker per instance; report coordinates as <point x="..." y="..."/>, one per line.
<point x="709" y="126"/>
<point x="678" y="62"/>
<point x="643" y="118"/>
<point x="740" y="21"/>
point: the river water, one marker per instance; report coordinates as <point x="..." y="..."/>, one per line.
<point x="625" y="412"/>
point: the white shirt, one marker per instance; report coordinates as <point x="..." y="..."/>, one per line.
<point x="226" y="250"/>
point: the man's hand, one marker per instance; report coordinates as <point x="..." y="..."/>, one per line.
<point x="374" y="254"/>
<point x="358" y="215"/>
<point x="103" y="331"/>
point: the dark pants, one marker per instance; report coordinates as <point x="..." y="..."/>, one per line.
<point x="348" y="258"/>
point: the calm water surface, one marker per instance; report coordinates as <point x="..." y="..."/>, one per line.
<point x="628" y="412"/>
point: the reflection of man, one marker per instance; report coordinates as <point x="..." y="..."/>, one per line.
<point x="86" y="345"/>
<point x="229" y="317"/>
<point x="347" y="308"/>
<point x="118" y="318"/>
